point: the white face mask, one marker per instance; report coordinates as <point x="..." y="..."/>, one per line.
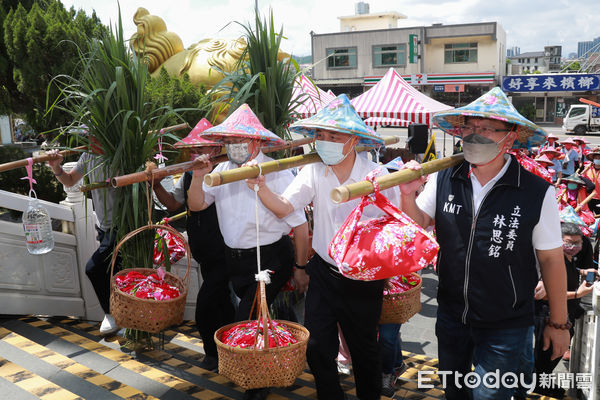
<point x="597" y="163"/>
<point x="480" y="150"/>
<point x="238" y="153"/>
<point x="332" y="153"/>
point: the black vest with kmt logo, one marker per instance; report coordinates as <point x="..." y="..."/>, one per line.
<point x="486" y="264"/>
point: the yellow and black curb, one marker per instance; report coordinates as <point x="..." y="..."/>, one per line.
<point x="64" y="358"/>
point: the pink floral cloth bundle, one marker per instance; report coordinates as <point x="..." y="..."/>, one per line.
<point x="382" y="247"/>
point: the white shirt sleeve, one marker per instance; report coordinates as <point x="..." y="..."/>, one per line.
<point x="302" y="189"/>
<point x="283" y="180"/>
<point x="547" y="234"/>
<point x="209" y="193"/>
<point x="426" y="200"/>
<point x="178" y="192"/>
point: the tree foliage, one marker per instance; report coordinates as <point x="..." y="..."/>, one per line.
<point x="180" y="93"/>
<point x="263" y="80"/>
<point x="40" y="40"/>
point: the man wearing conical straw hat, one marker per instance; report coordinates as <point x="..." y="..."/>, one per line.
<point x="214" y="306"/>
<point x="333" y="299"/>
<point x="494" y="221"/>
<point x="243" y="136"/>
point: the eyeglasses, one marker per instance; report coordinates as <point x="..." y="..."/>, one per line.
<point x="468" y="130"/>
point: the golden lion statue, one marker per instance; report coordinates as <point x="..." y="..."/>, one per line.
<point x="202" y="61"/>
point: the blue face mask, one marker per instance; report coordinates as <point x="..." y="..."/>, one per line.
<point x="332" y="153"/>
<point x="571" y="186"/>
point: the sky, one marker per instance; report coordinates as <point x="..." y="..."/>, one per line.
<point x="529" y="24"/>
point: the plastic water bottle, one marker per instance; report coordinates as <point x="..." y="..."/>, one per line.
<point x="38" y="229"/>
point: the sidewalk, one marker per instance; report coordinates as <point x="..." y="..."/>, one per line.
<point x="65" y="358"/>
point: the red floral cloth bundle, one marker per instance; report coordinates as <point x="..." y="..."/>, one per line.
<point x="151" y="287"/>
<point x="402" y="284"/>
<point x="174" y="246"/>
<point x="531" y="165"/>
<point x="382" y="247"/>
<point x="242" y="335"/>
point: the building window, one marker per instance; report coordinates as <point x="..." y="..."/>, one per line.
<point x="341" y="58"/>
<point x="389" y="55"/>
<point x="460" y="53"/>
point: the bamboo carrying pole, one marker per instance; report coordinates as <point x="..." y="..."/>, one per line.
<point x="159" y="173"/>
<point x="238" y="174"/>
<point x="585" y="201"/>
<point x="39" y="159"/>
<point x="48" y="157"/>
<point x="345" y="193"/>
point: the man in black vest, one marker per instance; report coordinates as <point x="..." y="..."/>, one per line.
<point x="492" y="220"/>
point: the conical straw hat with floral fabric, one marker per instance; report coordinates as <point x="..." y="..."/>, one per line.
<point x="338" y="116"/>
<point x="195" y="139"/>
<point x="544" y="159"/>
<point x="580" y="139"/>
<point x="493" y="105"/>
<point x="594" y="152"/>
<point x="575" y="178"/>
<point x="568" y="141"/>
<point x="243" y="123"/>
<point x="555" y="150"/>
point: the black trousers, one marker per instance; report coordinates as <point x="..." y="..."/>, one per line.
<point x="241" y="267"/>
<point x="214" y="307"/>
<point x="97" y="268"/>
<point x="356" y="306"/>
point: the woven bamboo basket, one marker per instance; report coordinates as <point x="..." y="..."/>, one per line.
<point x="143" y="314"/>
<point x="398" y="308"/>
<point x="253" y="368"/>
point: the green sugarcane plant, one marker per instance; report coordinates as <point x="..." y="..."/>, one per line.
<point x="264" y="78"/>
<point x="108" y="96"/>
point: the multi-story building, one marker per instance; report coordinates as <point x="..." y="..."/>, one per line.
<point x="513" y="51"/>
<point x="540" y="61"/>
<point x="585" y="47"/>
<point x="468" y="57"/>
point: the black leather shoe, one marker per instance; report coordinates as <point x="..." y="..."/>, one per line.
<point x="257" y="394"/>
<point x="209" y="363"/>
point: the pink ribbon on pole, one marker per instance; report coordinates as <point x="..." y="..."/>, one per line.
<point x="160" y="156"/>
<point x="29" y="177"/>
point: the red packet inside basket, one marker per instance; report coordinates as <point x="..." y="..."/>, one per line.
<point x="152" y="287"/>
<point x="167" y="243"/>
<point x="382" y="247"/>
<point x="242" y="335"/>
<point x="401" y="284"/>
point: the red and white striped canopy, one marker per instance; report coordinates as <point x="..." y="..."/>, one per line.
<point x="312" y="97"/>
<point x="393" y="97"/>
<point x="386" y="121"/>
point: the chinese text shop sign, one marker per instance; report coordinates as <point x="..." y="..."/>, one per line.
<point x="551" y="83"/>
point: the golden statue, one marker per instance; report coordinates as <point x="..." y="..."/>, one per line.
<point x="202" y="61"/>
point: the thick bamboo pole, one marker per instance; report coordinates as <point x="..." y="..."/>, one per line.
<point x="43" y="158"/>
<point x="47" y="157"/>
<point x="238" y="174"/>
<point x="174" y="217"/>
<point x="344" y="193"/>
<point x="585" y="201"/>
<point x="156" y="173"/>
<point x="159" y="173"/>
<point x="93" y="186"/>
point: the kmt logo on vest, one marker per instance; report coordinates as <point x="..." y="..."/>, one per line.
<point x="450" y="207"/>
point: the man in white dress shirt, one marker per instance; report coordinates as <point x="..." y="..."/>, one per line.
<point x="333" y="299"/>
